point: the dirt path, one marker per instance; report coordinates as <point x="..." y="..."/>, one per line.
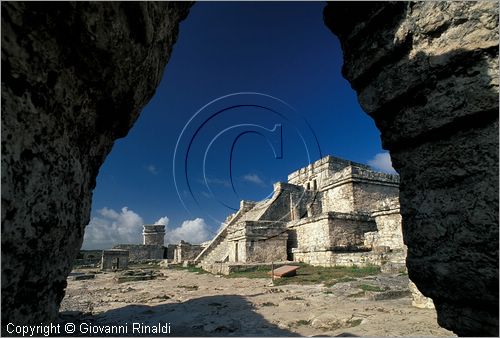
<point x="205" y="305"/>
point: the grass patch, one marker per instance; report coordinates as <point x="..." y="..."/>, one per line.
<point x="357" y="295"/>
<point x="301" y="322"/>
<point x="293" y="298"/>
<point x="346" y="279"/>
<point x="355" y="322"/>
<point x="188" y="287"/>
<point x="308" y="274"/>
<point x="403" y="272"/>
<point x="268" y="304"/>
<point x="149" y="265"/>
<point x="255" y="272"/>
<point x="368" y="287"/>
<point x="188" y="269"/>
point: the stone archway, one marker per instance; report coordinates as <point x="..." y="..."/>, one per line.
<point x="71" y="86"/>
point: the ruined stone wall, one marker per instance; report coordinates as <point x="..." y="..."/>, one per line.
<point x="427" y="72"/>
<point x="280" y="206"/>
<point x="348" y="230"/>
<point x="369" y="196"/>
<point x="269" y="250"/>
<point x="186" y="251"/>
<point x="75" y="76"/>
<point x="310" y="233"/>
<point x="331" y="259"/>
<point x="321" y="171"/>
<point x="138" y="252"/>
<point x="389" y="233"/>
<point x="330" y="231"/>
<point x="339" y="198"/>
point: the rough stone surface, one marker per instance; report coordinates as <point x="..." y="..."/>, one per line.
<point x="75" y="76"/>
<point x="140" y="252"/>
<point x="418" y="299"/>
<point x="427" y="72"/>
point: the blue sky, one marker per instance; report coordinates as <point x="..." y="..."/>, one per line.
<point x="281" y="50"/>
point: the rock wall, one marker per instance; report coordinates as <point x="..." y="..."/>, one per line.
<point x="427" y="72"/>
<point x="140" y="252"/>
<point x="75" y="76"/>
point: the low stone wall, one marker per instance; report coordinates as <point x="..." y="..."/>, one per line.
<point x="185" y="251"/>
<point x="389" y="262"/>
<point x="389" y="230"/>
<point x="139" y="252"/>
<point x="330" y="258"/>
<point x="227" y="268"/>
<point x="269" y="250"/>
<point x="329" y="230"/>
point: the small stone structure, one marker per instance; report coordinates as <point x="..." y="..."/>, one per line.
<point x="185" y="251"/>
<point x="154" y="234"/>
<point x="114" y="259"/>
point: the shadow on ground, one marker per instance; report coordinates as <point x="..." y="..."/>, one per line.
<point x="228" y="315"/>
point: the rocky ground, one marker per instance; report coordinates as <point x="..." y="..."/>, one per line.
<point x="199" y="304"/>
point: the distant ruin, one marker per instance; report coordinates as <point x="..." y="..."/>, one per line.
<point x="153" y="247"/>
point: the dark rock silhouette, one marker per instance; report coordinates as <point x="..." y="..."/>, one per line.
<point x="428" y="75"/>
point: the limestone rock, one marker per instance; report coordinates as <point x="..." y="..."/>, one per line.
<point x="75" y="76"/>
<point x="418" y="299"/>
<point x="427" y="72"/>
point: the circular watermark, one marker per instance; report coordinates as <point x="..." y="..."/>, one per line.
<point x="217" y="128"/>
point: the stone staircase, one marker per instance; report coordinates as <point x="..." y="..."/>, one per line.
<point x="218" y="249"/>
<point x="220" y="237"/>
<point x="218" y="254"/>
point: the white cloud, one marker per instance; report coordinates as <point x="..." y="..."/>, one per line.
<point x="382" y="162"/>
<point x="216" y="181"/>
<point x="112" y="227"/>
<point x="152" y="169"/>
<point x="254" y="178"/>
<point x="162" y="221"/>
<point x="193" y="231"/>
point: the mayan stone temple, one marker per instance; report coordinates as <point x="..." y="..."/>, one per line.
<point x="333" y="212"/>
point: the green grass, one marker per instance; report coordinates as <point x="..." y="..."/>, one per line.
<point x="357" y="295"/>
<point x="188" y="269"/>
<point x="256" y="272"/>
<point x="153" y="265"/>
<point x="308" y="274"/>
<point x="268" y="304"/>
<point x="301" y="322"/>
<point x="293" y="298"/>
<point x="355" y="322"/>
<point x="368" y="287"/>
